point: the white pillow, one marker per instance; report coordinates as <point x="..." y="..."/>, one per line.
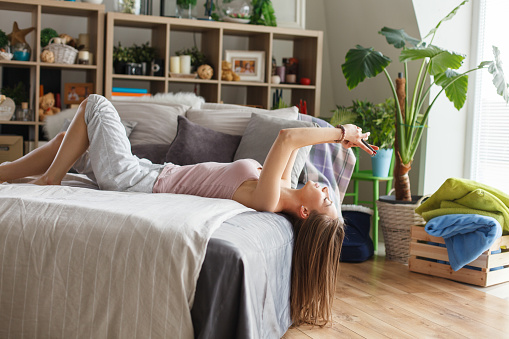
<point x="53" y="124"/>
<point x="179" y="98"/>
<point x="234" y="120"/>
<point x="156" y="123"/>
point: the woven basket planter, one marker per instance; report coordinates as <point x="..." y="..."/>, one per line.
<point x="64" y="54"/>
<point x="396" y="221"/>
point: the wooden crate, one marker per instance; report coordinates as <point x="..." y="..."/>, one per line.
<point x="421" y="251"/>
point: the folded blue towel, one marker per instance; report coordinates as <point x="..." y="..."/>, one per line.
<point x="466" y="236"/>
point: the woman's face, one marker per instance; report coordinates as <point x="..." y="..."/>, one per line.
<point x="317" y="198"/>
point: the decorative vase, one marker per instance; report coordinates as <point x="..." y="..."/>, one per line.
<point x="185" y="11"/>
<point x="381" y="162"/>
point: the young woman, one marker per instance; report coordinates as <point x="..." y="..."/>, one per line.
<point x="96" y="145"/>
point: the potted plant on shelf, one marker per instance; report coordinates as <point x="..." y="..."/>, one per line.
<point x="379" y="121"/>
<point x="185" y="8"/>
<point x="121" y="57"/>
<point x="144" y="55"/>
<point x="412" y="113"/>
<point x="397" y="214"/>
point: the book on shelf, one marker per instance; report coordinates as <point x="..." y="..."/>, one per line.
<point x="121" y="94"/>
<point x="129" y="90"/>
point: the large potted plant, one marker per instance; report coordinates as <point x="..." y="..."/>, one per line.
<point x="411" y="112"/>
<point x="397" y="214"/>
<point x="378" y="119"/>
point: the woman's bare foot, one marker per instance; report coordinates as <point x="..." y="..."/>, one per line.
<point x="45" y="181"/>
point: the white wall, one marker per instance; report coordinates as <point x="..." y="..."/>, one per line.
<point x="348" y="23"/>
<point x="445" y="142"/>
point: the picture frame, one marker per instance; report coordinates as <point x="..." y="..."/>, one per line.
<point x="290" y="13"/>
<point x="249" y="65"/>
<point x="75" y="93"/>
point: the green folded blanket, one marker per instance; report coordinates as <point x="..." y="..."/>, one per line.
<point x="462" y="196"/>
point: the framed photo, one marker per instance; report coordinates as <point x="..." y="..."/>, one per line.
<point x="249" y="65"/>
<point x="290" y="13"/>
<point x="76" y="93"/>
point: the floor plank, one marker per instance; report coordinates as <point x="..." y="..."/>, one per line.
<point x="380" y="298"/>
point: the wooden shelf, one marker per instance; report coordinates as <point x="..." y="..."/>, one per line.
<point x="307" y="48"/>
<point x="38" y="10"/>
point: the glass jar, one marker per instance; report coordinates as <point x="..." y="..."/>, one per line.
<point x="185" y="9"/>
<point x="128" y="6"/>
<point x="21" y="52"/>
<point x="24" y="113"/>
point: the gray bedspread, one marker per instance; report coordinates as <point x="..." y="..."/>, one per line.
<point x="243" y="290"/>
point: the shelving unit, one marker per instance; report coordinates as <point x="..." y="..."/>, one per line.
<point x="213" y="37"/>
<point x="41" y="13"/>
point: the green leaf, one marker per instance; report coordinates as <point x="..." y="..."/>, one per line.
<point x="455" y="85"/>
<point x="398" y="37"/>
<point x="498" y="75"/>
<point x="440" y="60"/>
<point x="361" y="63"/>
<point x="447" y="17"/>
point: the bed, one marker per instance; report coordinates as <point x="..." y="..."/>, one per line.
<point x="78" y="262"/>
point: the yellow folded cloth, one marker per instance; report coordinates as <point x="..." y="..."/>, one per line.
<point x="463" y="196"/>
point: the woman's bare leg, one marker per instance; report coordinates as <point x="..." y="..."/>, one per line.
<point x="34" y="163"/>
<point x="74" y="144"/>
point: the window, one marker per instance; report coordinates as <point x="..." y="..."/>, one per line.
<point x="489" y="163"/>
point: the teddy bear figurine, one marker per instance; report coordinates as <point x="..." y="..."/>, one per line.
<point x="47" y="106"/>
<point x="227" y="72"/>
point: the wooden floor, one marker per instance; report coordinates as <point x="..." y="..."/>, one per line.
<point x="380" y="298"/>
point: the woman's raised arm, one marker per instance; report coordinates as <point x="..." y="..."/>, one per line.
<point x="268" y="189"/>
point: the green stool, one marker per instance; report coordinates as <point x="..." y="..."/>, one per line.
<point x="367" y="175"/>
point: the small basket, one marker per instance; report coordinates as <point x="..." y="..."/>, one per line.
<point x="396" y="221"/>
<point x="64" y="54"/>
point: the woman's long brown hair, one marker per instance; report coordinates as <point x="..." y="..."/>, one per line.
<point x="315" y="265"/>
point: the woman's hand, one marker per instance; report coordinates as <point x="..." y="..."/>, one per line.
<point x="354" y="136"/>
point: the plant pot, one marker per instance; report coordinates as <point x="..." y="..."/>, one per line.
<point x="119" y="67"/>
<point x="396" y="219"/>
<point x="381" y="162"/>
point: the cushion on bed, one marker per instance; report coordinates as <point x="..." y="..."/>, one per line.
<point x="157" y="123"/>
<point x="261" y="132"/>
<point x="357" y="246"/>
<point x="153" y="152"/>
<point x="195" y="144"/>
<point x="233" y="119"/>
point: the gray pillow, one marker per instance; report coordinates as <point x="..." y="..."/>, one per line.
<point x="195" y="144"/>
<point x="261" y="132"/>
<point x="153" y="152"/>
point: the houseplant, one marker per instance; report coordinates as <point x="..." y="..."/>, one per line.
<point x="411" y="113"/>
<point x="263" y="13"/>
<point x="378" y="119"/>
<point x="143" y="54"/>
<point x="121" y="56"/>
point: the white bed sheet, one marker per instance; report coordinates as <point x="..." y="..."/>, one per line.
<point x="77" y="262"/>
